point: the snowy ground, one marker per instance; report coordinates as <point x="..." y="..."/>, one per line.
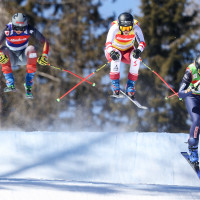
<point x="95" y="165"/>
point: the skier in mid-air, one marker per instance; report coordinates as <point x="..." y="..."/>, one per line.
<point x="120" y="48"/>
<point x="17" y="52"/>
<point x="190" y="90"/>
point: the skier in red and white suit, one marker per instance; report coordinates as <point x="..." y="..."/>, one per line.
<point x="120" y="48"/>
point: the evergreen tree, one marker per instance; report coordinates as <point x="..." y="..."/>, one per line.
<point x="171" y="34"/>
<point x="77" y="35"/>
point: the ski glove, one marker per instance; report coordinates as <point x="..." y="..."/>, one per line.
<point x="196" y="87"/>
<point x="136" y="53"/>
<point x="3" y="58"/>
<point x="43" y="59"/>
<point x="114" y="55"/>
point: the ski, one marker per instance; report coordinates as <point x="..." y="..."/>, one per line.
<point x="134" y="101"/>
<point x="120" y="96"/>
<point x="195" y="166"/>
<point x="9" y="89"/>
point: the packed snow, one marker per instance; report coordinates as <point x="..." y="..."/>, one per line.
<point x="95" y="165"/>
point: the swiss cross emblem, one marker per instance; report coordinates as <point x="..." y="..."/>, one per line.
<point x="7" y="33"/>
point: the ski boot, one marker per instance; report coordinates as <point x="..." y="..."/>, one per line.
<point x="28" y="91"/>
<point x="116" y="87"/>
<point x="193" y="154"/>
<point x="10" y="88"/>
<point x="130" y="88"/>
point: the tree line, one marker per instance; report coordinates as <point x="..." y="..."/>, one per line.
<point x="77" y="32"/>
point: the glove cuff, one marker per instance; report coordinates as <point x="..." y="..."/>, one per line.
<point x="45" y="55"/>
<point x="139" y="49"/>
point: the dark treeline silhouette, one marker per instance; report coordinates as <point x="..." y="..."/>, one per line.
<point x="77" y="33"/>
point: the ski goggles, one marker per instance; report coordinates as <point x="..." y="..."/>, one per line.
<point x="125" y="28"/>
<point x="19" y="28"/>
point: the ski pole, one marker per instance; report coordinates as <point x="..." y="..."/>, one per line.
<point x="93" y="84"/>
<point x="97" y="70"/>
<point x="175" y="93"/>
<point x="167" y="97"/>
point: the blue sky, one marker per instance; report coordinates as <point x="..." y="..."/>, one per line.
<point x="119" y="6"/>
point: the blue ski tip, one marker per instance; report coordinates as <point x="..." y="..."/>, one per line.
<point x="58" y="100"/>
<point x="93" y="84"/>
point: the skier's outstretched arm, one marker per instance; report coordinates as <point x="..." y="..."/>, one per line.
<point x="184" y="89"/>
<point x="43" y="59"/>
<point x="40" y="38"/>
<point x="110" y="38"/>
<point x="139" y="37"/>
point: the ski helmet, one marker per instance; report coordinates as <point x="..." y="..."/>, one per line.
<point x="197" y="62"/>
<point x="125" y="20"/>
<point x="19" y="21"/>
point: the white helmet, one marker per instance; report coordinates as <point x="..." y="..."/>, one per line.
<point x="19" y="20"/>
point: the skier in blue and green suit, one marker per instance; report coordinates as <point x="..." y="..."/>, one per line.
<point x="190" y="90"/>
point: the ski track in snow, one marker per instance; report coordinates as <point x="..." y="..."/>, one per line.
<point x="95" y="165"/>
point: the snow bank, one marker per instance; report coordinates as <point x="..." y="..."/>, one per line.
<point x="124" y="158"/>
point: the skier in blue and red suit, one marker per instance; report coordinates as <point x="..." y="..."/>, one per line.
<point x="190" y="90"/>
<point x="16" y="52"/>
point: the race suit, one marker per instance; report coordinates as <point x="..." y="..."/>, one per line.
<point x="19" y="52"/>
<point x="192" y="101"/>
<point x="124" y="45"/>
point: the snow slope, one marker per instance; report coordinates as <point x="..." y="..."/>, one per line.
<point x="96" y="163"/>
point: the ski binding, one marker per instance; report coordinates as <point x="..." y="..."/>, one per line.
<point x="195" y="166"/>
